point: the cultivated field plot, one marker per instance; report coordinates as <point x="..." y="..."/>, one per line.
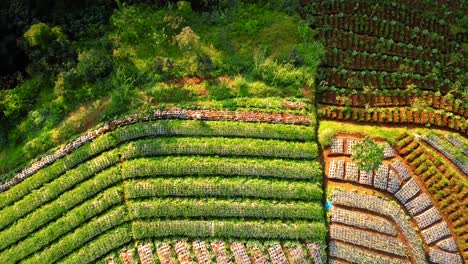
<point x="215" y="251"/>
<point x="164" y="179"/>
<point x="395" y="62"/>
<point x="377" y="227"/>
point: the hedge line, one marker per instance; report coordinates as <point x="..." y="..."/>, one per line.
<point x="221" y="187"/>
<point x="229" y="229"/>
<point x="71" y="242"/>
<point x="181" y="166"/>
<point x="173" y="208"/>
<point x="55" y="230"/>
<point x="220" y="146"/>
<point x="61" y="205"/>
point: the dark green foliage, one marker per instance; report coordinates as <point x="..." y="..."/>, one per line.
<point x="368" y="155"/>
<point x="93" y="64"/>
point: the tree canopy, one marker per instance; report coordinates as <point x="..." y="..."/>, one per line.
<point x="368" y="155"/>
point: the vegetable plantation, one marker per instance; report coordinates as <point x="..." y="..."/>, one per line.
<point x="166" y="179"/>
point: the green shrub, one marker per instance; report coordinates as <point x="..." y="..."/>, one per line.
<point x="187" y="39"/>
<point x="93" y="64"/>
<point x="184" y="7"/>
<point x="42" y="35"/>
<point x="326" y="136"/>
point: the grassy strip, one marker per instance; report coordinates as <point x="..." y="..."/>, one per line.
<point x="55" y="230"/>
<point x="215" y="128"/>
<point x="180" y="166"/>
<point x="193" y="208"/>
<point x="68" y="244"/>
<point x="104" y="244"/>
<point x="222" y="147"/>
<point x="221" y="187"/>
<point x="60" y="206"/>
<point x="56" y="169"/>
<point x="229" y="229"/>
<point x="328" y="129"/>
<point x="54" y="189"/>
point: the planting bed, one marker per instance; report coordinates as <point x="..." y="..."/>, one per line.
<point x="163" y="179"/>
<point x="389" y="54"/>
<point x="203" y="251"/>
<point x="356" y="218"/>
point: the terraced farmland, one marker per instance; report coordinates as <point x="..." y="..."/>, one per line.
<point x="393" y="62"/>
<point x="357" y="223"/>
<point x="247" y="132"/>
<point x="166" y="179"/>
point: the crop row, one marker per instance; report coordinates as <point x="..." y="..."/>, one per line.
<point x="78" y="150"/>
<point x="55" y="209"/>
<point x="215" y="129"/>
<point x="367" y="239"/>
<point x="374" y="26"/>
<point x="267" y="104"/>
<point x="356" y="255"/>
<point x="59" y="167"/>
<point x="157" y="128"/>
<point x="349" y="40"/>
<point x="392" y="99"/>
<point x="222" y="187"/>
<point x="362" y="220"/>
<point x="444" y="147"/>
<point x="229" y="229"/>
<point x="386" y="208"/>
<point x="383" y="9"/>
<point x="443" y="183"/>
<point x="215" y="208"/>
<point x="55" y="230"/>
<point x="100" y="246"/>
<point x="221" y="147"/>
<point x="363" y="60"/>
<point x="180" y="166"/>
<point x="395" y="115"/>
<point x="266" y="168"/>
<point x="384" y="80"/>
<point x="56" y="188"/>
<point x="85" y="233"/>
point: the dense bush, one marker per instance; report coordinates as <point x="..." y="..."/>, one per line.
<point x="93" y="64"/>
<point x="47" y="47"/>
